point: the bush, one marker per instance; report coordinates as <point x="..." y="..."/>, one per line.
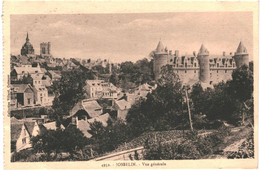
<point x="246" y="150"/>
<point x="192" y="146"/>
<point x="22" y="155"/>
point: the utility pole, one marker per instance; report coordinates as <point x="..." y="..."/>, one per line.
<point x="188" y="104"/>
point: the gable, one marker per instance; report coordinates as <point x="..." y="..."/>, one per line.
<point x="28" y="90"/>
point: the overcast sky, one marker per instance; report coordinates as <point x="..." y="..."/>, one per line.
<point x="121" y="37"/>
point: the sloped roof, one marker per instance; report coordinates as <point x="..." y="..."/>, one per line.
<point x="16" y="129"/>
<point x="102" y="118"/>
<point x="123" y="104"/>
<point x="30" y="127"/>
<point x="30" y="70"/>
<point x="84" y="126"/>
<point x="54" y="74"/>
<point x="37" y="76"/>
<point x="20" y="88"/>
<point x="13" y="120"/>
<point x="52" y="126"/>
<point x="241" y="48"/>
<point x="92" y="108"/>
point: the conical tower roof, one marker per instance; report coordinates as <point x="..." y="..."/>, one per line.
<point x="203" y="50"/>
<point x="160" y="47"/>
<point x="241" y="48"/>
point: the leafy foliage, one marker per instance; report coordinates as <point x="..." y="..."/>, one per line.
<point x="246" y="150"/>
<point x="107" y="138"/>
<point x="226" y="101"/>
<point x="69" y="90"/>
<point x="162" y="110"/>
<point x="192" y="146"/>
<point x="133" y="74"/>
<point x="51" y="143"/>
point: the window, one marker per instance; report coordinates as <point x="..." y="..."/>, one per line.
<point x="29" y="101"/>
<point x="217" y="71"/>
<point x="24" y="140"/>
<point x="185" y="71"/>
<point x="225" y="71"/>
<point x="195" y="70"/>
<point x="195" y="64"/>
<point x="39" y="82"/>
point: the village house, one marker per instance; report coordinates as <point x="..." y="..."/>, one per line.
<point x="19" y="72"/>
<point x="41" y="95"/>
<point x="21" y="133"/>
<point x="20" y="137"/>
<point x="55" y="75"/>
<point x="143" y="90"/>
<point x="100" y="89"/>
<point x="122" y="107"/>
<point x="22" y="95"/>
<point x="86" y="112"/>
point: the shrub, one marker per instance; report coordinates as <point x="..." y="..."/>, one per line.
<point x="246" y="150"/>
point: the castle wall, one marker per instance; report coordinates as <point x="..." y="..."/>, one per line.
<point x="187" y="76"/>
<point x="218" y="75"/>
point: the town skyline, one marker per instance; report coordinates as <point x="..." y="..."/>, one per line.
<point x="130" y="37"/>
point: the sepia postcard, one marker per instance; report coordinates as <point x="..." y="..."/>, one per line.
<point x="130" y="84"/>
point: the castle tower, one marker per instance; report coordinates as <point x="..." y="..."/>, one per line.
<point x="160" y="59"/>
<point x="203" y="58"/>
<point x="241" y="56"/>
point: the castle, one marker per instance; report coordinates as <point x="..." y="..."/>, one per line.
<point x="201" y="67"/>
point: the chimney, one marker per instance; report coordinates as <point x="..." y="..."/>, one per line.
<point x="194" y="53"/>
<point x="177" y="53"/>
<point x="224" y="53"/>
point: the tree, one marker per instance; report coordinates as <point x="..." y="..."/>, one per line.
<point x="107" y="138"/>
<point x="241" y="86"/>
<point x="132" y="74"/>
<point x="69" y="90"/>
<point x="52" y="143"/>
<point x="197" y="98"/>
<point x="162" y="109"/>
<point x="47" y="143"/>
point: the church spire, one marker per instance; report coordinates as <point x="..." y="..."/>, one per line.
<point x="27" y="37"/>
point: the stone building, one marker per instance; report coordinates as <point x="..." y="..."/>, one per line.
<point x="27" y="48"/>
<point x="202" y="67"/>
<point x="45" y="49"/>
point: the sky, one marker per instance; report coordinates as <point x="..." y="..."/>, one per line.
<point x="130" y="37"/>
